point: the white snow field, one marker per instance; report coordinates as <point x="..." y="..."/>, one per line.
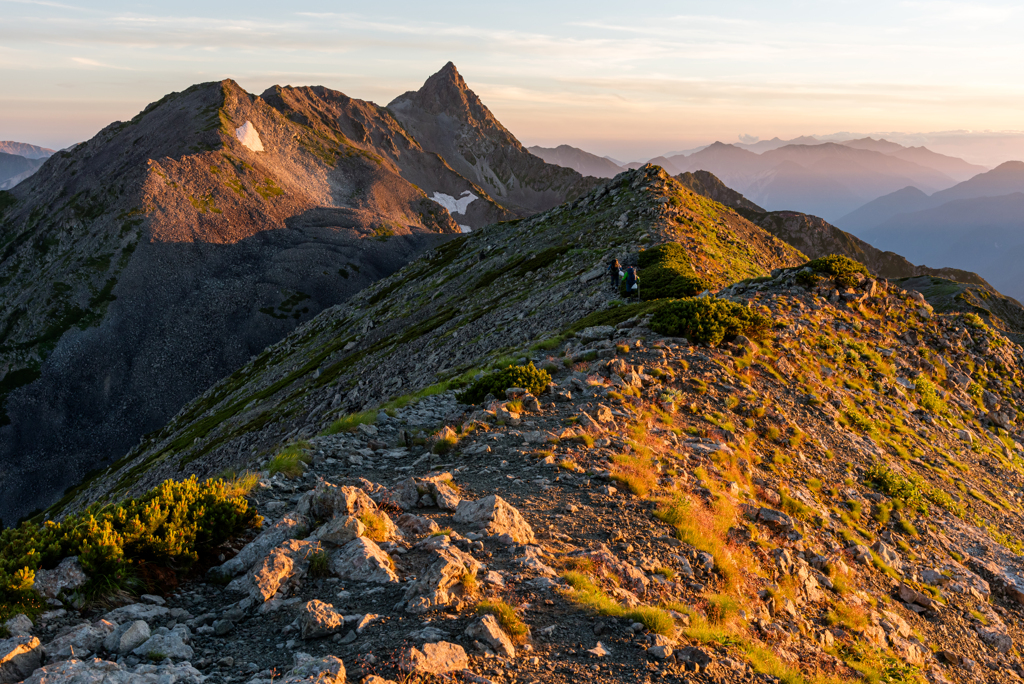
<point x="454" y="206"/>
<point x="247" y="135"/>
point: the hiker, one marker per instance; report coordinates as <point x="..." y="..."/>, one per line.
<point x="615" y="273"/>
<point x="631" y="283"/>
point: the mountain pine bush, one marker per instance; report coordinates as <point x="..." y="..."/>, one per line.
<point x="842" y="269"/>
<point x="168" y="526"/>
<point x="709" y="320"/>
<point x="665" y="272"/>
<point x="528" y="377"/>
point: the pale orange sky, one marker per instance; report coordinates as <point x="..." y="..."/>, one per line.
<point x="632" y="84"/>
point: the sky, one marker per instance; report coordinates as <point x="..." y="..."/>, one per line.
<point x="628" y="80"/>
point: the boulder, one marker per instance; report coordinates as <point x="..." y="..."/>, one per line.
<point x="596" y="332"/>
<point x="437" y="585"/>
<point x="173" y="645"/>
<point x="19" y="657"/>
<point x="1000" y="641"/>
<point x="435" y="659"/>
<point x="285" y="528"/>
<point x="19" y="625"/>
<point x="105" y="672"/>
<point x="127" y="637"/>
<point x="318" y="619"/>
<point x="340" y="530"/>
<point x="67" y="575"/>
<point x="327" y="670"/>
<point x="495" y="516"/>
<point x="361" y="560"/>
<point x="487" y="630"/>
<point x="79" y="642"/>
<point x="137" y="611"/>
<point x="326" y="500"/>
<point x="283" y="564"/>
<point x="416" y="525"/>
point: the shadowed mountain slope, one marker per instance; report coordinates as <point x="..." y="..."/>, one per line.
<point x="446" y="117"/>
<point x="147" y="263"/>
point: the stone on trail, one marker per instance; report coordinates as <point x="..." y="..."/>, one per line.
<point x="284" y="563"/>
<point x="438" y="583"/>
<point x="340" y="530"/>
<point x="495" y="516"/>
<point x="127" y="637"/>
<point x="172" y="645"/>
<point x="416" y="525"/>
<point x="435" y="659"/>
<point x="487" y="630"/>
<point x="67" y="575"/>
<point x="19" y="625"/>
<point x="318" y="619"/>
<point x="283" y="529"/>
<point x="326" y="500"/>
<point x="361" y="560"/>
<point x="137" y="611"/>
<point x="19" y="657"/>
<point x="327" y="670"/>
<point x="105" y="672"/>
<point x="79" y="641"/>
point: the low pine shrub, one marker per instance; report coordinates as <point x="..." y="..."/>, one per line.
<point x="168" y="526"/>
<point x="709" y="320"/>
<point x="665" y="272"/>
<point x="842" y="269"/>
<point x="528" y="377"/>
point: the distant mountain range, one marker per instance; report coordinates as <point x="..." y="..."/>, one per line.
<point x="18" y="161"/>
<point x="976" y="225"/>
<point x="578" y="160"/>
<point x="827" y="179"/>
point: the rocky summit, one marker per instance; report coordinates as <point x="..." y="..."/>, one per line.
<point x="140" y="267"/>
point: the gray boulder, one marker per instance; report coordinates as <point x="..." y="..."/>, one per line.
<point x="67" y="575"/>
<point x="127" y="637"/>
<point x="285" y="528"/>
<point x="105" y="672"/>
<point x="173" y="645"/>
<point x="487" y="630"/>
<point x="19" y="657"/>
<point x="19" y="625"/>
<point x="495" y="516"/>
<point x="318" y="619"/>
<point x="361" y="560"/>
<point x="79" y="642"/>
<point x="435" y="659"/>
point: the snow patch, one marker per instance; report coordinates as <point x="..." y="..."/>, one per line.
<point x="247" y="135"/>
<point x="465" y="229"/>
<point x="454" y="206"/>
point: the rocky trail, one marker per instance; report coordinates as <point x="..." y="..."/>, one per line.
<point x="840" y="501"/>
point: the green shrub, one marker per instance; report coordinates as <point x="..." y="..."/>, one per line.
<point x="709" y="320"/>
<point x="929" y="395"/>
<point x="808" y="279"/>
<point x="167" y="526"/>
<point x="842" y="269"/>
<point x="527" y="377"/>
<point x="319" y="564"/>
<point x="665" y="272"/>
<point x="351" y="421"/>
<point x="289" y="461"/>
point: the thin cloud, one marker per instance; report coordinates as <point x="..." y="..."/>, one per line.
<point x="85" y="61"/>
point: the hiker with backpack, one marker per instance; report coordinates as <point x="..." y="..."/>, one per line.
<point x="615" y="273"/>
<point x="631" y="283"/>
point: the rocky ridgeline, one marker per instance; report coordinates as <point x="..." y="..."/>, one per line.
<point x="844" y="497"/>
<point x="454" y="311"/>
